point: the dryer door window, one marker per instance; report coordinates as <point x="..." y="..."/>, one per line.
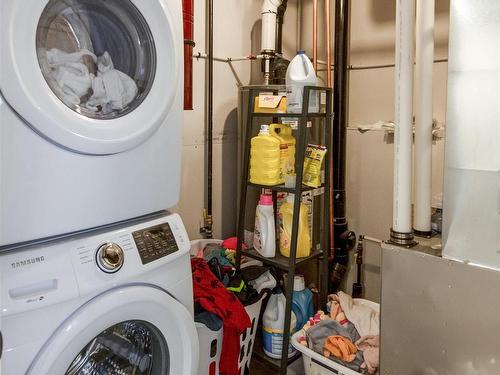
<point x="123" y="331"/>
<point x="97" y="56"/>
<point x="131" y="347"/>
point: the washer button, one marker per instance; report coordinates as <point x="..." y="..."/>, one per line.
<point x="110" y="257"/>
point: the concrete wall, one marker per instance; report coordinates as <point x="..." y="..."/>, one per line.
<point x="236" y="33"/>
<point x="370" y="155"/>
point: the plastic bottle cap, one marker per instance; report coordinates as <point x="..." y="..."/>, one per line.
<point x="301" y="52"/>
<point x="266" y="200"/>
<point x="299" y="283"/>
<point x="264" y="129"/>
<point x="290" y="198"/>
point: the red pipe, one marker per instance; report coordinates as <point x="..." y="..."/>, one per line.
<point x="188" y="21"/>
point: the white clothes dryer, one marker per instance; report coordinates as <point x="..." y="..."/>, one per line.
<point x="116" y="302"/>
<point x="90" y="113"/>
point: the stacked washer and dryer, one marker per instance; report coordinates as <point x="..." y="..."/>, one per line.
<point x="94" y="275"/>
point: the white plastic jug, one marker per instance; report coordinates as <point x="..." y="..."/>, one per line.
<point x="300" y="73"/>
<point x="264" y="240"/>
<point x="273" y="323"/>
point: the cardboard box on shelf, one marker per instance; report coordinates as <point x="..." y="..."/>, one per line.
<point x="269" y="103"/>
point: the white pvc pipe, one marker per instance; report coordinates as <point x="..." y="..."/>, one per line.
<point x="269" y="12"/>
<point x="423" y="114"/>
<point x="403" y="134"/>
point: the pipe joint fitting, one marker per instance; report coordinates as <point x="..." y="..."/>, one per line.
<point x="271" y="6"/>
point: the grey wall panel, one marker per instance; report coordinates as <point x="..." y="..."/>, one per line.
<point x="439" y="317"/>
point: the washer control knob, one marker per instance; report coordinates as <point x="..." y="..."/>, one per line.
<point x="110" y="257"/>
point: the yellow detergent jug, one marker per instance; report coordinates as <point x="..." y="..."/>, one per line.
<point x="303" y="237"/>
<point x="265" y="159"/>
<point x="283" y="133"/>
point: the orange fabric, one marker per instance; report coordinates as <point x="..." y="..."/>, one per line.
<point x="340" y="347"/>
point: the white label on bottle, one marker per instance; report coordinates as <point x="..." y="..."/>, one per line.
<point x="257" y="235"/>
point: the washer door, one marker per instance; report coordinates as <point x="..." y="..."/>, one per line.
<point x="96" y="77"/>
<point x="135" y="330"/>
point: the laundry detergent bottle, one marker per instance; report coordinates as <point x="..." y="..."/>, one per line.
<point x="273" y="323"/>
<point x="285" y="229"/>
<point x="283" y="133"/>
<point x="300" y="73"/>
<point x="264" y="238"/>
<point x="302" y="304"/>
<point x="265" y="159"/>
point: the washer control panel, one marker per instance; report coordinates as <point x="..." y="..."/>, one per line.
<point x="155" y="242"/>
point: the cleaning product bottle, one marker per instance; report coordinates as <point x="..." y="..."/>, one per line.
<point x="300" y="73"/>
<point x="265" y="159"/>
<point x="302" y="303"/>
<point x="264" y="238"/>
<point x="273" y="323"/>
<point x="283" y="133"/>
<point x="285" y="229"/>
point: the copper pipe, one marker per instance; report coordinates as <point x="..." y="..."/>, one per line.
<point x="315" y="35"/>
<point x="328" y="23"/>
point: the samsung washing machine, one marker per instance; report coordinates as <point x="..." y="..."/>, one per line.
<point x="90" y="113"/>
<point x="110" y="302"/>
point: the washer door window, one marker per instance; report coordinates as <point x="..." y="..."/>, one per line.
<point x="131" y="347"/>
<point x="96" y="77"/>
<point x="134" y="330"/>
<point x="97" y="56"/>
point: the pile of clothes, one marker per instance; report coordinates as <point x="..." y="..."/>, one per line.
<point x="349" y="334"/>
<point x="220" y="294"/>
<point x="83" y="79"/>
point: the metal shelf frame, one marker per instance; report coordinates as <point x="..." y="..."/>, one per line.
<point x="290" y="264"/>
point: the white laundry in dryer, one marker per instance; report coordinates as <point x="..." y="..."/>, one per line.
<point x="90" y="113"/>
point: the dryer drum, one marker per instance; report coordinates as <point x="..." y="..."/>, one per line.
<point x="97" y="56"/>
<point x="131" y="347"/>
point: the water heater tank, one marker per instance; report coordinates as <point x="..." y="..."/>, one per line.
<point x="471" y="220"/>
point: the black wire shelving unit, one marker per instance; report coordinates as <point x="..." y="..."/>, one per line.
<point x="306" y="123"/>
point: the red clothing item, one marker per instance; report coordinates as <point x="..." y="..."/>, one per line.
<point x="211" y="294"/>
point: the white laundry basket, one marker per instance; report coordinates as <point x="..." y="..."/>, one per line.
<point x="316" y="364"/>
<point x="211" y="341"/>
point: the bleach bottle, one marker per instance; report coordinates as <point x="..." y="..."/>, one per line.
<point x="264" y="239"/>
<point x="300" y="73"/>
<point x="302" y="305"/>
<point x="273" y="323"/>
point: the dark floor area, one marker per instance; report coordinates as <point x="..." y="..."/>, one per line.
<point x="259" y="367"/>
